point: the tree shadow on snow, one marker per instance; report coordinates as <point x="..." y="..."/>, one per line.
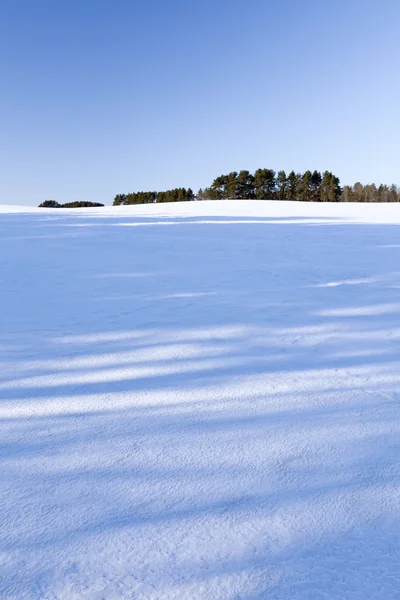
<point x="217" y="403"/>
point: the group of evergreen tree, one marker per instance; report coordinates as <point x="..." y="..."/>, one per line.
<point x="77" y="204"/>
<point x="265" y="184"/>
<point x="175" y="195"/>
<point x="135" y="198"/>
<point x="370" y="193"/>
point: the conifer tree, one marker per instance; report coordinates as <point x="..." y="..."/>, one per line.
<point x="245" y="186"/>
<point x="264" y="184"/>
<point x="330" y="188"/>
<point x="304" y="191"/>
<point x="292" y="185"/>
<point x="315" y="186"/>
<point x="231" y="185"/>
<point x="281" y="182"/>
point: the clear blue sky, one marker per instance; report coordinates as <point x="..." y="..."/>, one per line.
<point x="100" y="97"/>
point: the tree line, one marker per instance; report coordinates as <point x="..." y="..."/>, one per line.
<point x="266" y="184"/>
<point x="370" y="193"/>
<point x="263" y="184"/>
<point x="175" y="195"/>
<point x="77" y="204"/>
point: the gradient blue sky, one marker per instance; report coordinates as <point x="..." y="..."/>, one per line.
<point x="100" y="97"/>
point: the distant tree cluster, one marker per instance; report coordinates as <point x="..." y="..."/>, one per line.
<point x="265" y="184"/>
<point x="175" y="195"/>
<point x="80" y="204"/>
<point x="135" y="198"/>
<point x="370" y="193"/>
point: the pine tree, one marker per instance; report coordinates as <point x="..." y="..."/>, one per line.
<point x="304" y="191"/>
<point x="245" y="186"/>
<point x="315" y="186"/>
<point x="282" y="181"/>
<point x="218" y="188"/>
<point x="292" y="185"/>
<point x="330" y="188"/>
<point x="264" y="184"/>
<point x="231" y="185"/>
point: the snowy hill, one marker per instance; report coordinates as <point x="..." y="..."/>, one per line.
<point x="200" y="400"/>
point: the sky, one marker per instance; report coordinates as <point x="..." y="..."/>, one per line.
<point x="100" y="97"/>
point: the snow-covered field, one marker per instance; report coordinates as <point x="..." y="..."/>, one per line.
<point x="200" y="401"/>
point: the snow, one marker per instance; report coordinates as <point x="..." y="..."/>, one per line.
<point x="200" y="400"/>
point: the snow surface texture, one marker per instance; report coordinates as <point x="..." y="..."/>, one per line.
<point x="200" y="401"/>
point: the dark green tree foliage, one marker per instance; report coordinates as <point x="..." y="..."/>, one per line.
<point x="219" y="188"/>
<point x="315" y="186"/>
<point x="245" y="186"/>
<point x="266" y="184"/>
<point x="231" y="185"/>
<point x="292" y="185"/>
<point x="282" y="182"/>
<point x="176" y="195"/>
<point x="119" y="199"/>
<point x="304" y="188"/>
<point x="81" y="205"/>
<point x="49" y="204"/>
<point x="135" y="198"/>
<point x="77" y="204"/>
<point x="330" y="190"/>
